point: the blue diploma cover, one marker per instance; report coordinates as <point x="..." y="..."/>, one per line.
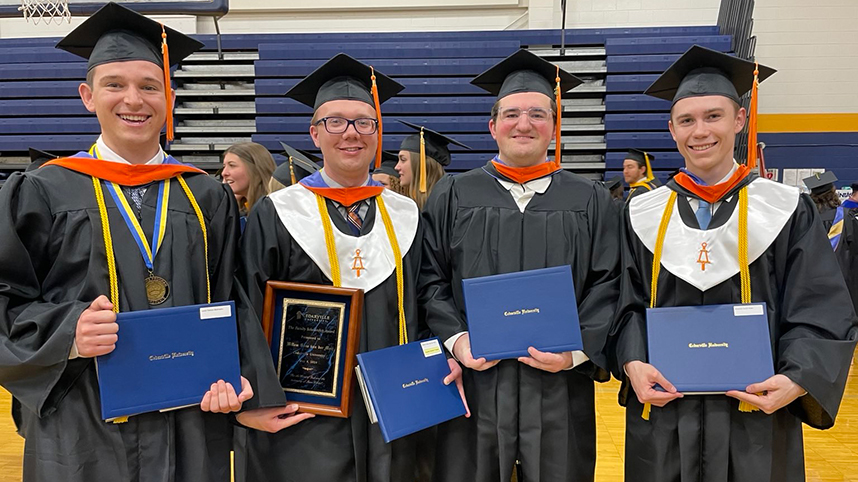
<point x="710" y="349"/>
<point x="507" y="313"/>
<point x="403" y="387"/>
<point x="168" y="358"/>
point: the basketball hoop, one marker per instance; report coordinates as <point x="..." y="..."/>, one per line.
<point x="49" y="11"/>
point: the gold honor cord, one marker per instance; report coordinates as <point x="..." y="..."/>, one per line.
<point x="744" y="270"/>
<point x="394" y="244"/>
<point x="108" y="240"/>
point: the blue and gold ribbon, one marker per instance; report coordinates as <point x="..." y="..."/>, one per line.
<point x="134" y="227"/>
<point x="836" y="229"/>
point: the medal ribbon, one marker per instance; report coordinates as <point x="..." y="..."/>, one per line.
<point x="134" y="226"/>
<point x="744" y="269"/>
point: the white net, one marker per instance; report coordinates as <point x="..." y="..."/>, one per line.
<point x="48" y="11"/>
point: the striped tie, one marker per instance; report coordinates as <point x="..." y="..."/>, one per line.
<point x="355" y="222"/>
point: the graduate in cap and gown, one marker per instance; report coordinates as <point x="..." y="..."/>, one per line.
<point x="375" y="235"/>
<point x="72" y="234"/>
<point x="615" y="186"/>
<point x="841" y="225"/>
<point x="725" y="236"/>
<point x="422" y="159"/>
<point x="521" y="211"/>
<point x="637" y="171"/>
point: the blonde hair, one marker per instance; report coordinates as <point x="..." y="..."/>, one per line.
<point x="434" y="173"/>
<point x="274" y="185"/>
<point x="259" y="166"/>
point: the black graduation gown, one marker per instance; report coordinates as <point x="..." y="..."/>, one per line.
<point x="474" y="228"/>
<point x="847" y="249"/>
<point x="52" y="265"/>
<point x="326" y="449"/>
<point x="704" y="437"/>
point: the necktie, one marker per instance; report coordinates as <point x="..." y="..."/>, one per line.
<point x="355" y="222"/>
<point x="137" y="195"/>
<point x="703" y="214"/>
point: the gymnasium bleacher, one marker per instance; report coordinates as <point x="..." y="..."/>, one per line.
<point x="240" y="96"/>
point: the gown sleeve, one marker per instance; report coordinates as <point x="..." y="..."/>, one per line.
<point x="601" y="287"/>
<point x="435" y="299"/>
<point x="36" y="334"/>
<point x="263" y="257"/>
<point x="816" y="324"/>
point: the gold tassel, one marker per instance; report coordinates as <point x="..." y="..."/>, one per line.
<point x="558" y="99"/>
<point x="752" y="120"/>
<point x="645" y="413"/>
<point x="165" y="52"/>
<point x="649" y="175"/>
<point x="377" y="114"/>
<point x="422" y="162"/>
<point x="292" y="170"/>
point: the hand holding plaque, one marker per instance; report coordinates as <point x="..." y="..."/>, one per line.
<point x="313" y="331"/>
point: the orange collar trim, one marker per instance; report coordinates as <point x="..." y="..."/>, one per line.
<point x="712" y="194"/>
<point x="121" y="173"/>
<point x="346" y="195"/>
<point x="522" y="175"/>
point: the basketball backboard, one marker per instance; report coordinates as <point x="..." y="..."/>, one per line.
<point x="10" y="8"/>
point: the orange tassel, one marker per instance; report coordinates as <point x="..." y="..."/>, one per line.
<point x="558" y="100"/>
<point x="165" y="51"/>
<point x="422" y="186"/>
<point x="378" y="114"/>
<point x="752" y="121"/>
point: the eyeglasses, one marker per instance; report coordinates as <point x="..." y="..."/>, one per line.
<point x="537" y="115"/>
<point x="338" y="125"/>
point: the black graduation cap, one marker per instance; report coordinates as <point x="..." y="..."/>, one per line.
<point x="388" y="164"/>
<point x="614" y="183"/>
<point x="639" y="156"/>
<point x="855" y="187"/>
<point x="435" y="143"/>
<point x="299" y="165"/>
<point x="524" y="71"/>
<point x="37" y="158"/>
<point x="117" y="34"/>
<point x="701" y="71"/>
<point x="343" y="78"/>
<point x="820" y="183"/>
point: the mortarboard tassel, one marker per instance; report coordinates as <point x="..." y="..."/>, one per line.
<point x="422" y="162"/>
<point x="557" y="100"/>
<point x="292" y="170"/>
<point x="752" y="120"/>
<point x="378" y="114"/>
<point x="649" y="175"/>
<point x="165" y="51"/>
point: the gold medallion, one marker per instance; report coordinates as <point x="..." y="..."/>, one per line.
<point x="157" y="289"/>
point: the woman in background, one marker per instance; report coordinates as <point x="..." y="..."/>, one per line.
<point x="247" y="168"/>
<point x="436" y="156"/>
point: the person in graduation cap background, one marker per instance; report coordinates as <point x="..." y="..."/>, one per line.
<point x="69" y="261"/>
<point x="730" y="237"/>
<point x="615" y="187"/>
<point x="375" y="235"/>
<point x="422" y="159"/>
<point x="386" y="174"/>
<point x="841" y="225"/>
<point x="298" y="165"/>
<point x="521" y="211"/>
<point x="637" y="171"/>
